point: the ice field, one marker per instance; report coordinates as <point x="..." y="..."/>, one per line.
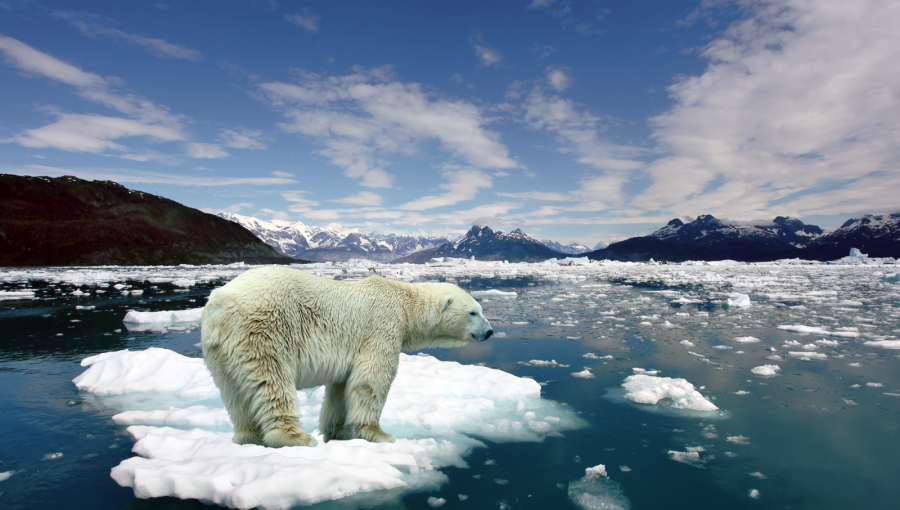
<point x="696" y="385"/>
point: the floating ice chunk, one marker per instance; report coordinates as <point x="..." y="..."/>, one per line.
<point x="646" y="389"/>
<point x="754" y="494"/>
<point x="744" y="440"/>
<point x="462" y="497"/>
<point x="740" y="301"/>
<point x="165" y="317"/>
<point x="829" y="343"/>
<point x="591" y="355"/>
<point x="874" y="384"/>
<point x="854" y="364"/>
<point x="584" y="374"/>
<point x="53" y="456"/>
<point x="746" y="340"/>
<point x="428" y="397"/>
<point x="595" y="491"/>
<point x="541" y="363"/>
<point x="891" y="278"/>
<point x="742" y="392"/>
<point x="434" y="502"/>
<point x="6" y="474"/>
<point x="766" y="370"/>
<point x="810" y="347"/>
<point x="722" y="347"/>
<point x="759" y="475"/>
<point x="885" y="344"/>
<point x="808" y="355"/>
<point x="643" y="371"/>
<point x="686" y="343"/>
<point x="16" y="294"/>
<point x="685" y="457"/>
<point x="774" y="357"/>
<point x="492" y="293"/>
<point x="813" y="330"/>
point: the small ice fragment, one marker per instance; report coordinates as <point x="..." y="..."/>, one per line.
<point x="434" y="502"/>
<point x="462" y="497"/>
<point x="766" y="370"/>
<point x="754" y="493"/>
<point x="759" y="475"/>
<point x="874" y="384"/>
<point x="500" y="334"/>
<point x="686" y="343"/>
<point x="584" y="374"/>
<point x="645" y="389"/>
<point x="885" y="344"/>
<point x="6" y="474"/>
<point x="490" y="462"/>
<point x="591" y="355"/>
<point x="79" y="307"/>
<point x="643" y="371"/>
<point x="722" y="347"/>
<point x="685" y="457"/>
<point x="52" y="456"/>
<point x="740" y="301"/>
<point x="746" y="340"/>
<point x="741" y="392"/>
<point x="500" y="481"/>
<point x="596" y="491"/>
<point x="743" y="440"/>
<point x="492" y="293"/>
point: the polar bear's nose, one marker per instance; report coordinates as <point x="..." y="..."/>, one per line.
<point x="488" y="334"/>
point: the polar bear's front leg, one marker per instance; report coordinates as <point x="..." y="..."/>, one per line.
<point x="276" y="410"/>
<point x="365" y="395"/>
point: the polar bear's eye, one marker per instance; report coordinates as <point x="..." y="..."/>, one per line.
<point x="472" y="313"/>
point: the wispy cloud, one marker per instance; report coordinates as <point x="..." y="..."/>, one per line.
<point x="560" y="78"/>
<point x="361" y="119"/>
<point x="281" y="174"/>
<point x="89" y="133"/>
<point x="307" y="21"/>
<point x="362" y="198"/>
<point x="797" y="97"/>
<point x="205" y="151"/>
<point x="487" y="56"/>
<point x="92" y="25"/>
<point x="463" y="184"/>
<point x="142" y="177"/>
<point x="241" y="139"/>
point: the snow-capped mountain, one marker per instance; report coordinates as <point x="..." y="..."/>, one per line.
<point x="568" y="249"/>
<point x="742" y="242"/>
<point x="875" y="235"/>
<point x="600" y="246"/>
<point x="484" y="243"/>
<point x="332" y="242"/>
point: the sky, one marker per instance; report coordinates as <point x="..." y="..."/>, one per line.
<point x="577" y="121"/>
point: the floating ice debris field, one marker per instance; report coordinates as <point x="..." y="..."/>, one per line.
<point x="147" y="409"/>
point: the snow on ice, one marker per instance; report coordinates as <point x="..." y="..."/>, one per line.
<point x="648" y="389"/>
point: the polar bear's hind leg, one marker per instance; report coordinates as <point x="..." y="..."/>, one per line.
<point x="333" y="415"/>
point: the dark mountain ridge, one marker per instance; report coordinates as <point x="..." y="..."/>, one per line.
<point x="66" y="221"/>
<point x="484" y="243"/>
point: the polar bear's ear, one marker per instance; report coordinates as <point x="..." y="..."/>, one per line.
<point x="445" y="302"/>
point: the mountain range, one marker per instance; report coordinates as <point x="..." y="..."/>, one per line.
<point x="66" y="221"/>
<point x="332" y="242"/>
<point x="484" y="243"/>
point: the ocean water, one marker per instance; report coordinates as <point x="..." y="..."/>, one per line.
<point x="822" y="432"/>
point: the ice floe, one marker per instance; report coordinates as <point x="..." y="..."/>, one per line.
<point x="766" y="370"/>
<point x="437" y="410"/>
<point x="647" y="389"/>
<point x="596" y="491"/>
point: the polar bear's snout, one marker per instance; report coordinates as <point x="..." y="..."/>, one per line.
<point x="484" y="331"/>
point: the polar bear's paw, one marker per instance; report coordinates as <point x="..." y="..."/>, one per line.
<point x="279" y="438"/>
<point x="374" y="434"/>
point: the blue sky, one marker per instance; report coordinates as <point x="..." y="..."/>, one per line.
<point x="576" y="121"/>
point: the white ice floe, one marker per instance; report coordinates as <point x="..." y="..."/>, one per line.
<point x="806" y="355"/>
<point x="5" y="475"/>
<point x="744" y="440"/>
<point x="646" y="389"/>
<point x="885" y="344"/>
<point x="739" y="301"/>
<point x="637" y="370"/>
<point x="165" y="317"/>
<point x="595" y="491"/>
<point x="814" y="330"/>
<point x="434" y="408"/>
<point x="584" y="374"/>
<point x="591" y="355"/>
<point x="541" y="363"/>
<point x="746" y="340"/>
<point x="492" y="293"/>
<point x="684" y="457"/>
<point x="6" y="295"/>
<point x="722" y="347"/>
<point x="434" y="502"/>
<point x="766" y="370"/>
<point x="828" y="343"/>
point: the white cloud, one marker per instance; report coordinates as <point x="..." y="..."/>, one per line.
<point x="360" y="119"/>
<point x="488" y="56"/>
<point x="93" y="26"/>
<point x="205" y="150"/>
<point x="537" y="195"/>
<point x="245" y="139"/>
<point x="233" y="208"/>
<point x="463" y="185"/>
<point x="281" y="174"/>
<point x="307" y="21"/>
<point x="798" y="98"/>
<point x="558" y="78"/>
<point x="138" y="176"/>
<point x="362" y="198"/>
<point x="299" y="204"/>
<point x="91" y="133"/>
<point x="147" y="118"/>
<point x="539" y="3"/>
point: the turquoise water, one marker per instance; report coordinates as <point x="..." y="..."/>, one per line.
<point x="805" y="438"/>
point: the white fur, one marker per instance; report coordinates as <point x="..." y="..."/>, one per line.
<point x="273" y="330"/>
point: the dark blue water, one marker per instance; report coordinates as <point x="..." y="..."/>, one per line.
<point x="817" y="443"/>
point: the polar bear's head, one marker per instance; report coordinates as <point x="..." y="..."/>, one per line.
<point x="454" y="319"/>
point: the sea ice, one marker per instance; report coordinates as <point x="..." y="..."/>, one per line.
<point x="766" y="370"/>
<point x="646" y="389"/>
<point x="433" y="408"/>
<point x="743" y="440"/>
<point x="746" y="340"/>
<point x="434" y="502"/>
<point x="595" y="491"/>
<point x="739" y="301"/>
<point x="885" y="344"/>
<point x="492" y="293"/>
<point x="165" y="317"/>
<point x="6" y="474"/>
<point x="584" y="374"/>
<point x="813" y="330"/>
<point x="16" y="294"/>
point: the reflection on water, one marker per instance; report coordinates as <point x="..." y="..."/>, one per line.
<point x="824" y="432"/>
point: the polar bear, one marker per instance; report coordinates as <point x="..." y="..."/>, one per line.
<point x="273" y="330"/>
